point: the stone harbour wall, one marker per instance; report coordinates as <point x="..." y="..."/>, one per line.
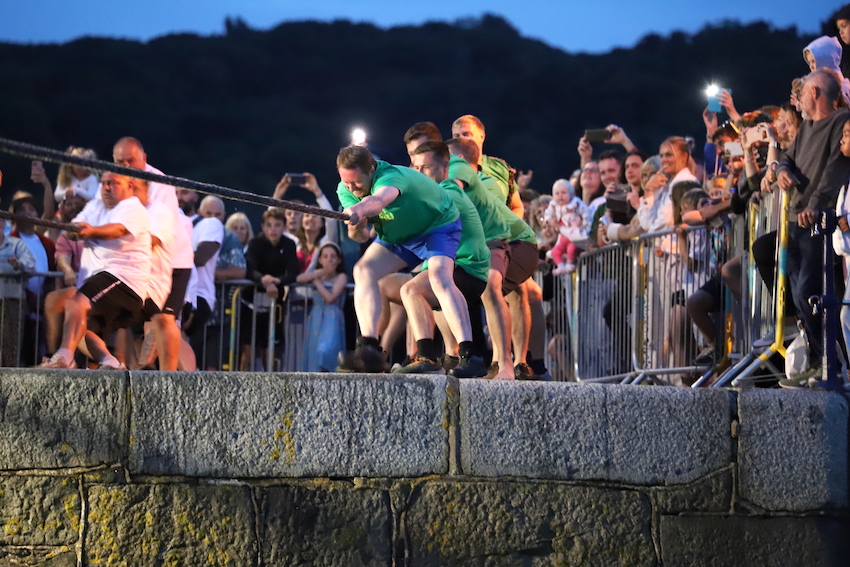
<point x="244" y="469"/>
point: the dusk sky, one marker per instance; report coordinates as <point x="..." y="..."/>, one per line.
<point x="593" y="26"/>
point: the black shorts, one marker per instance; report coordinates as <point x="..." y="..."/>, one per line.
<point x="470" y="287"/>
<point x="113" y="304"/>
<point x="714" y="288"/>
<point x="179" y="282"/>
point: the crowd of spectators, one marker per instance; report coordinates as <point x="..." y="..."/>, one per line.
<point x="491" y="320"/>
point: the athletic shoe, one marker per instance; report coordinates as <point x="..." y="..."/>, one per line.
<point x="103" y="366"/>
<point x="55" y="361"/>
<point x="522" y="371"/>
<point x="420" y="365"/>
<point x="469" y="367"/>
<point x="705" y="357"/>
<point x="364" y="358"/>
<point x="545" y="377"/>
<point x="805" y="379"/>
<point x="492" y="370"/>
<point x="448" y="362"/>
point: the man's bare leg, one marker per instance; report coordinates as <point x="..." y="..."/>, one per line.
<point x="376" y="263"/>
<point x="167" y="337"/>
<point x="499" y="323"/>
<point x="54" y="315"/>
<point x="77" y="308"/>
<point x="393" y="316"/>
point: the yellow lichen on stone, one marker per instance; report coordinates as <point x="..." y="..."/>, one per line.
<point x="13" y="526"/>
<point x="105" y="550"/>
<point x="64" y="447"/>
<point x="70" y="506"/>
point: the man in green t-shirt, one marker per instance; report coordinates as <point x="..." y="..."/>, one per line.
<point x="527" y="302"/>
<point x="513" y="252"/>
<point x="470" y="275"/>
<point x="415" y="220"/>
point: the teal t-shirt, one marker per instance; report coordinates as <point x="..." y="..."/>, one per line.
<point x="422" y="205"/>
<point x="496" y="225"/>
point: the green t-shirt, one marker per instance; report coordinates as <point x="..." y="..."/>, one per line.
<point x="499" y="170"/>
<point x="421" y="205"/>
<point x="473" y="254"/>
<point x="493" y="186"/>
<point x="496" y="224"/>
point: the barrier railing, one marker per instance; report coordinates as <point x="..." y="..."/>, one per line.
<point x="22" y="326"/>
<point x="602" y="289"/>
<point x="233" y="343"/>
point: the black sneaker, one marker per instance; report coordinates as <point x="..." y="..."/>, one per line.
<point x="420" y="365"/>
<point x="522" y="371"/>
<point x="448" y="361"/>
<point x="364" y="358"/>
<point x="469" y="367"/>
<point x="705" y="357"/>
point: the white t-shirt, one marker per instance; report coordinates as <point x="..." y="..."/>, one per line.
<point x="184" y="256"/>
<point x="127" y="258"/>
<point x="87" y="188"/>
<point x="163" y="226"/>
<point x="209" y="229"/>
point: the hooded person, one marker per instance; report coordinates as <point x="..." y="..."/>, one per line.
<point x="826" y="51"/>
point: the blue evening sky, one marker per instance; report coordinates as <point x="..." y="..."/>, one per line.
<point x="593" y="26"/>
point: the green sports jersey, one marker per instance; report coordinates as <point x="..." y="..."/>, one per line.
<point x="490" y="208"/>
<point x="493" y="186"/>
<point x="499" y="170"/>
<point x="498" y="220"/>
<point x="472" y="255"/>
<point x="422" y="205"/>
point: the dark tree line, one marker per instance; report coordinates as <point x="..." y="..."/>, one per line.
<point x="245" y="107"/>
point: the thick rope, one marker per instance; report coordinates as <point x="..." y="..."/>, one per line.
<point x="18" y="219"/>
<point x="30" y="151"/>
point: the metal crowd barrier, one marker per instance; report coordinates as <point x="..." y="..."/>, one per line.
<point x="223" y="340"/>
<point x="22" y="341"/>
<point x="602" y="307"/>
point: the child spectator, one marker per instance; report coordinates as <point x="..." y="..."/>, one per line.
<point x="569" y="215"/>
<point x="325" y="334"/>
<point x="272" y="264"/>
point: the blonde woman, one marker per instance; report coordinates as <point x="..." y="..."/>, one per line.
<point x="239" y="224"/>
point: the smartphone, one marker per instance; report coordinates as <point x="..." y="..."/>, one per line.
<point x="297" y="179"/>
<point x="714" y="99"/>
<point x="758" y="133"/>
<point x="733" y="149"/>
<point x="598" y="135"/>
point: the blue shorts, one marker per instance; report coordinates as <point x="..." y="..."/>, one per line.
<point x="441" y="241"/>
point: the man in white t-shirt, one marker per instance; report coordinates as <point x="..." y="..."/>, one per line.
<point x="128" y="152"/>
<point x="207" y="237"/>
<point x="115" y="270"/>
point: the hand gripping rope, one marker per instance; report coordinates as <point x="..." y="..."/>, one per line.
<point x="30" y="151"/>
